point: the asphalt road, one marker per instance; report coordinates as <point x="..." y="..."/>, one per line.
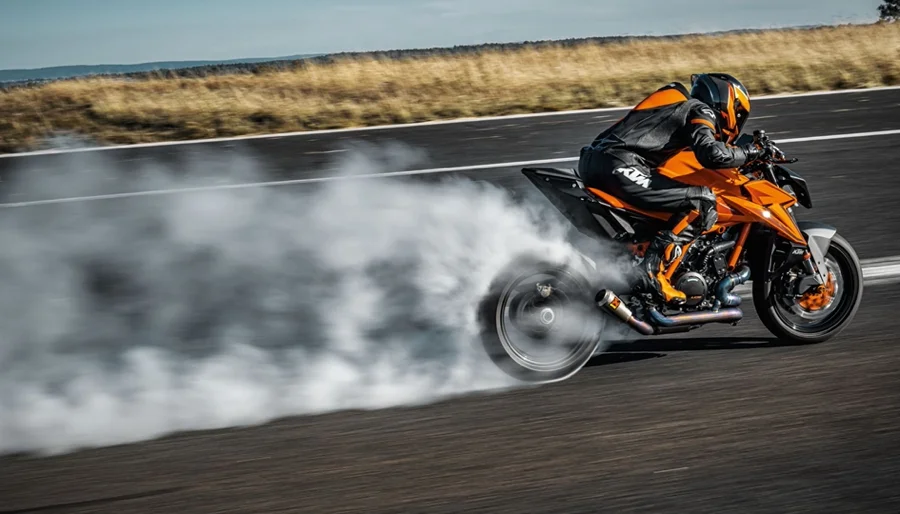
<point x="727" y="420"/>
<point x="476" y="143"/>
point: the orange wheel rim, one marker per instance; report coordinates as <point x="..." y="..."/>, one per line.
<point x="818" y="299"/>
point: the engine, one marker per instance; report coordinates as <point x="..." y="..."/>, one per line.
<point x="703" y="267"/>
<point x="694" y="286"/>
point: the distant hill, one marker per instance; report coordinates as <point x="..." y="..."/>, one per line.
<point x="65" y="72"/>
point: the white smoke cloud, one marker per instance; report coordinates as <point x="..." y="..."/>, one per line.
<point x="124" y="320"/>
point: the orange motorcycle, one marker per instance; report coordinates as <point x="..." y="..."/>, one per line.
<point x="542" y="321"/>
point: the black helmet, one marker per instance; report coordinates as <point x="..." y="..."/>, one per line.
<point x="727" y="97"/>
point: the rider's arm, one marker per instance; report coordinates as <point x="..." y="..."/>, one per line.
<point x="711" y="152"/>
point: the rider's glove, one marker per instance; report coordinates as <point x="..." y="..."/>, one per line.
<point x="766" y="150"/>
<point x="753" y="152"/>
<point x="774" y="152"/>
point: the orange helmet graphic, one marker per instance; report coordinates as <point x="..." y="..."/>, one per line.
<point x="726" y="96"/>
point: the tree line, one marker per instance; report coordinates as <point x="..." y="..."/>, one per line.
<point x="889" y="10"/>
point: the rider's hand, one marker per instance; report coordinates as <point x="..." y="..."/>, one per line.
<point x="766" y="150"/>
<point x="754" y="152"/>
<point x="774" y="152"/>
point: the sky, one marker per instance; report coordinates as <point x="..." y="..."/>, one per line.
<point x="41" y="33"/>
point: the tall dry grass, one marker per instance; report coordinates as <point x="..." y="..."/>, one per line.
<point x="365" y="91"/>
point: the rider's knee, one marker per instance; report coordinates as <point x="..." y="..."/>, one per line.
<point x="704" y="200"/>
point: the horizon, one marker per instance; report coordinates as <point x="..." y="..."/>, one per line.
<point x="256" y="59"/>
<point x="237" y="60"/>
<point x="54" y="33"/>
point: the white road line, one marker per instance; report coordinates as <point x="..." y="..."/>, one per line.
<point x="391" y="174"/>
<point x="837" y="136"/>
<point x="876" y="272"/>
<point x="408" y="125"/>
<point x="825" y="93"/>
<point x="881" y="271"/>
<point x="325" y="152"/>
<point x="882" y="261"/>
<point x="673" y="470"/>
<point x="882" y="274"/>
<point x="274" y="183"/>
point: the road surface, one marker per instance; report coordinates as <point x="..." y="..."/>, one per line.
<point x="727" y="420"/>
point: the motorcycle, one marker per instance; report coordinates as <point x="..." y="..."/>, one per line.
<point x="542" y="321"/>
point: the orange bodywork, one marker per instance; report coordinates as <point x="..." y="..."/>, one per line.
<point x="619" y="204"/>
<point x="739" y="246"/>
<point x="740" y="200"/>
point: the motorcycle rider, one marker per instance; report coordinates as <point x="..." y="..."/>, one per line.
<point x="622" y="161"/>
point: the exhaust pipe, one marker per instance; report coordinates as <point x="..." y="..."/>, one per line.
<point x="608" y="301"/>
<point x="724" y="296"/>
<point x="732" y="315"/>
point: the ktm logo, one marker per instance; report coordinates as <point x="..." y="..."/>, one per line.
<point x="636" y="175"/>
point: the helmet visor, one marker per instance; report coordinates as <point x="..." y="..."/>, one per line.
<point x="741" y="108"/>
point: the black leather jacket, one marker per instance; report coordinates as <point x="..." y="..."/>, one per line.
<point x="668" y="122"/>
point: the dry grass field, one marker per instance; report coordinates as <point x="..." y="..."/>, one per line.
<point x="363" y="91"/>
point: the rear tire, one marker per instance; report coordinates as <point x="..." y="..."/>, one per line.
<point x="536" y="339"/>
<point x="842" y="261"/>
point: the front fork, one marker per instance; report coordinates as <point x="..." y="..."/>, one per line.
<point x="772" y="256"/>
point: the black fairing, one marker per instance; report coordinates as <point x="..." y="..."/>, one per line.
<point x="769" y="254"/>
<point x="786" y="177"/>
<point x="565" y="190"/>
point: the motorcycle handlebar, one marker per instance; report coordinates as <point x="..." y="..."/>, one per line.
<point x="773" y="154"/>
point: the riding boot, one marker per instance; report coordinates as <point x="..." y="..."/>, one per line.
<point x="661" y="252"/>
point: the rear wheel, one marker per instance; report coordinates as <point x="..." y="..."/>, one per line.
<point x="538" y="323"/>
<point x="819" y="315"/>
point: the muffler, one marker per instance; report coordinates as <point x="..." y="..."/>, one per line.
<point x="608" y="301"/>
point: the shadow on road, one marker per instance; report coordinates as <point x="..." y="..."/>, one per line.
<point x="96" y="502"/>
<point x="605" y="359"/>
<point x="644" y="349"/>
<point x="696" y="344"/>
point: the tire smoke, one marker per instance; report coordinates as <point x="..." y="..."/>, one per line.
<point x="125" y="320"/>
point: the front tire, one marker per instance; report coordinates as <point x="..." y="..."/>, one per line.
<point x="537" y="338"/>
<point x="815" y="322"/>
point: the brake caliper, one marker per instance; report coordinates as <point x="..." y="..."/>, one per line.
<point x="819" y="297"/>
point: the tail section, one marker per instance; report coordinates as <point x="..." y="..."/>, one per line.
<point x="566" y="191"/>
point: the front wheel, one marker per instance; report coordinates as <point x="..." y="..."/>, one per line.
<point x="818" y="316"/>
<point x="538" y="323"/>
